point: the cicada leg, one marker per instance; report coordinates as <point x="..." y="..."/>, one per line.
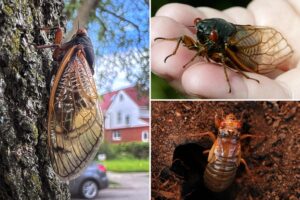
<point x="187" y="41"/>
<point x="47" y="46"/>
<point x="206" y="151"/>
<point x="253" y="179"/>
<point x="227" y="79"/>
<point x="230" y="64"/>
<point x="246" y="166"/>
<point x="219" y="119"/>
<point x="193" y="58"/>
<point x="219" y="57"/>
<point x="227" y="63"/>
<point x="244" y="136"/>
<point x="57" y="39"/>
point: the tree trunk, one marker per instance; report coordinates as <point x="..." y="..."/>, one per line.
<point x="25" y="170"/>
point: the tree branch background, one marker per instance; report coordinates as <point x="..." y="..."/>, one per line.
<point x="119" y="30"/>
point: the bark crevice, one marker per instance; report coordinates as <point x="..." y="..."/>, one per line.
<point x="25" y="170"/>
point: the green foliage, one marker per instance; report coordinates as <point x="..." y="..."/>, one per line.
<point x="127" y="165"/>
<point x="133" y="150"/>
<point x="109" y="150"/>
<point x="160" y="89"/>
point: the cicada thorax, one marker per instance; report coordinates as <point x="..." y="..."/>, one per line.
<point x="75" y="122"/>
<point x="214" y="33"/>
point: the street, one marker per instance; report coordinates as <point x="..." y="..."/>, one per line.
<point x="130" y="186"/>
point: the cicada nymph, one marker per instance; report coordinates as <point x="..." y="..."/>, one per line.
<point x="225" y="155"/>
<point x="75" y="121"/>
<point x="242" y="48"/>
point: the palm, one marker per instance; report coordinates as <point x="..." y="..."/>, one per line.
<point x="202" y="79"/>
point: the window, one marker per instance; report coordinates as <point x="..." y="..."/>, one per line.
<point x="121" y="97"/>
<point x="127" y="119"/>
<point x="116" y="136"/>
<point x="119" y="117"/>
<point x="145" y="136"/>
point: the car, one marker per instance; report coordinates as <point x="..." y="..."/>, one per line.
<point x="88" y="184"/>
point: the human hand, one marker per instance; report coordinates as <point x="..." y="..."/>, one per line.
<point x="203" y="79"/>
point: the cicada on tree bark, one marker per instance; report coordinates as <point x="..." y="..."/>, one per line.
<point x="242" y="48"/>
<point x="75" y="121"/>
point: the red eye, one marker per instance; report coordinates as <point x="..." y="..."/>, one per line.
<point x="213" y="36"/>
<point x="197" y="20"/>
<point x="222" y="124"/>
<point x="239" y="125"/>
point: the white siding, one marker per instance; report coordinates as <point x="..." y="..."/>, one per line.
<point x="123" y="110"/>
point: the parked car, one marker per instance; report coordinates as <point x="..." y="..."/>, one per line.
<point x="88" y="184"/>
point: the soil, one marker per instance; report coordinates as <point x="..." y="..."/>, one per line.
<point x="178" y="161"/>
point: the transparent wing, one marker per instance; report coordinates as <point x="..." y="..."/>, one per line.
<point x="75" y="122"/>
<point x="258" y="49"/>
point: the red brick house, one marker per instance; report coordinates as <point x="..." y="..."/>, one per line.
<point x="126" y="116"/>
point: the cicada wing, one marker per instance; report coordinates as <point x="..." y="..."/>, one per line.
<point x="75" y="121"/>
<point x="258" y="49"/>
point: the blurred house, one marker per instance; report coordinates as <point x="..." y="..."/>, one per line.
<point x="126" y="116"/>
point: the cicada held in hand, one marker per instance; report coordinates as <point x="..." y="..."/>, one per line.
<point x="75" y="121"/>
<point x="242" y="48"/>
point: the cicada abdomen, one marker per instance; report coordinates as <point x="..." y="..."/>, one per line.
<point x="75" y="121"/>
<point x="221" y="170"/>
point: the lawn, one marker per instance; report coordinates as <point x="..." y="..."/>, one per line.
<point x="127" y="165"/>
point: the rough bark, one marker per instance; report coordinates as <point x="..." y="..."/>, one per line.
<point x="25" y="170"/>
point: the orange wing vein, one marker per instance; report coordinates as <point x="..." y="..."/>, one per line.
<point x="258" y="49"/>
<point x="75" y="121"/>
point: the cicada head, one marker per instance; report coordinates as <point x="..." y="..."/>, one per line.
<point x="230" y="126"/>
<point x="213" y="32"/>
<point x="80" y="33"/>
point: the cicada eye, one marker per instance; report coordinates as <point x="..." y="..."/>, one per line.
<point x="239" y="125"/>
<point x="222" y="124"/>
<point x="213" y="36"/>
<point x="201" y="36"/>
<point x="197" y="20"/>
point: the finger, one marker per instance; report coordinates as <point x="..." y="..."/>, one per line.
<point x="213" y="13"/>
<point x="172" y="69"/>
<point x="162" y="26"/>
<point x="181" y="13"/>
<point x="209" y="80"/>
<point x="291" y="81"/>
<point x="269" y="13"/>
<point x="296" y="5"/>
<point x="240" y="15"/>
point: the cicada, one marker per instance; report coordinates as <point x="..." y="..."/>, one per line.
<point x="225" y="155"/>
<point x="75" y="121"/>
<point x="242" y="48"/>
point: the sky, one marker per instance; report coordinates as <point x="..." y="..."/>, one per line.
<point x="136" y="12"/>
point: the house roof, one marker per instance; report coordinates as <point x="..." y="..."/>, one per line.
<point x="130" y="91"/>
